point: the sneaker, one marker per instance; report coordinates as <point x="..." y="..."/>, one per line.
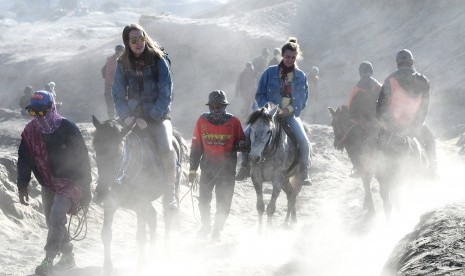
<point x="203" y="233"/>
<point x="66" y="262"/>
<point x="216" y="236"/>
<point x="243" y="173"/>
<point x="45" y="268"/>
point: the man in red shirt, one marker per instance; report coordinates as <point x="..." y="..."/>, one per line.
<point x="215" y="142"/>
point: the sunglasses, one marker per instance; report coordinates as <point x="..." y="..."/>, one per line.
<point x="134" y="40"/>
<point x="40" y="113"/>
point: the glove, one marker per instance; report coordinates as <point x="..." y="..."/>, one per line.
<point x="23" y="196"/>
<point x="192" y="176"/>
<point x="242" y="146"/>
<point x="141" y="123"/>
<point x="128" y="121"/>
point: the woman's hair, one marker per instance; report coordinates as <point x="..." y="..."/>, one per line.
<point x="291" y="45"/>
<point x="152" y="52"/>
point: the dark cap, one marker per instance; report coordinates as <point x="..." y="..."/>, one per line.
<point x="40" y="100"/>
<point x="217" y="97"/>
<point x="119" y="48"/>
<point x="365" y="69"/>
<point x="404" y="58"/>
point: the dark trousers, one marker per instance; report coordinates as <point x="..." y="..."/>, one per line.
<point x="224" y="191"/>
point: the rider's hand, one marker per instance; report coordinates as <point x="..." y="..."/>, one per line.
<point x="23" y="196"/>
<point x="141" y="123"/>
<point x="128" y="121"/>
<point x="283" y="111"/>
<point x="192" y="176"/>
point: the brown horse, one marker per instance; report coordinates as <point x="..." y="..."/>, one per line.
<point x="137" y="187"/>
<point x="393" y="158"/>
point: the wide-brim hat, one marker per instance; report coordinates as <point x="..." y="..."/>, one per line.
<point x="217" y="97"/>
<point x="40" y="100"/>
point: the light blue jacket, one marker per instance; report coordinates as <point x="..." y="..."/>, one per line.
<point x="155" y="99"/>
<point x="269" y="89"/>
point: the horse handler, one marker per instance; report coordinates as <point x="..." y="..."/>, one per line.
<point x="217" y="137"/>
<point x="53" y="148"/>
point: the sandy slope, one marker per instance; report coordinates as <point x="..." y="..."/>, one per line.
<point x="332" y="227"/>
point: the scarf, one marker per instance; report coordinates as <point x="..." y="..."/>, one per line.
<point x="285" y="83"/>
<point x="35" y="144"/>
<point x="50" y="122"/>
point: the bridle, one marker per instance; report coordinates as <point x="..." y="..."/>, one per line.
<point x="339" y="143"/>
<point x="272" y="143"/>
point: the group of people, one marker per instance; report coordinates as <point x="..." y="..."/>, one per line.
<point x="399" y="105"/>
<point x="138" y="87"/>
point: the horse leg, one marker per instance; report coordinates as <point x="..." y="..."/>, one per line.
<point x="384" y="189"/>
<point x="271" y="208"/>
<point x="368" y="200"/>
<point x="152" y="224"/>
<point x="141" y="234"/>
<point x="290" y="204"/>
<point x="258" y="185"/>
<point x="106" y="234"/>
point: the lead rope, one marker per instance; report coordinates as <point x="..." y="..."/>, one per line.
<point x="81" y="224"/>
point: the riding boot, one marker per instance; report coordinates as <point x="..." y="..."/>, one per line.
<point x="304" y="175"/>
<point x="170" y="199"/>
<point x="244" y="170"/>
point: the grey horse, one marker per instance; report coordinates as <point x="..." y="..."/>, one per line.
<point x="274" y="158"/>
<point x="137" y="187"/>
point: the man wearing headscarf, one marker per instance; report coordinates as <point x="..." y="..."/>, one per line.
<point x="53" y="149"/>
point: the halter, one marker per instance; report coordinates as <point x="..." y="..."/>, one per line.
<point x="272" y="144"/>
<point x="340" y="143"/>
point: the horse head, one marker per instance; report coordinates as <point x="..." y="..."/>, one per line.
<point x="262" y="131"/>
<point x="341" y="125"/>
<point x="108" y="145"/>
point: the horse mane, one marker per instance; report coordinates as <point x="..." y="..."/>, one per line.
<point x="258" y="114"/>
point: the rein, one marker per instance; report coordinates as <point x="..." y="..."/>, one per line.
<point x="346" y="133"/>
<point x="267" y="151"/>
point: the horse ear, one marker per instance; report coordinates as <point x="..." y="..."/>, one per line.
<point x="331" y="110"/>
<point x="96" y="122"/>
<point x="274" y="110"/>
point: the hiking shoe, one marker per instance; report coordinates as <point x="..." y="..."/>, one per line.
<point x="243" y="173"/>
<point x="66" y="262"/>
<point x="45" y="268"/>
<point x="216" y="236"/>
<point x="203" y="232"/>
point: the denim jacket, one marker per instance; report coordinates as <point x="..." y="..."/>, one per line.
<point x="155" y="99"/>
<point x="269" y="89"/>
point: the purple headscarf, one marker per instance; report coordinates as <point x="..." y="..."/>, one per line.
<point x="51" y="121"/>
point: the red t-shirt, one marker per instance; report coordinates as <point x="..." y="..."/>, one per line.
<point x="215" y="144"/>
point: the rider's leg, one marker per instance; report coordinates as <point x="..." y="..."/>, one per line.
<point x="427" y="138"/>
<point x="304" y="147"/>
<point x="164" y="143"/>
<point x="244" y="169"/>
